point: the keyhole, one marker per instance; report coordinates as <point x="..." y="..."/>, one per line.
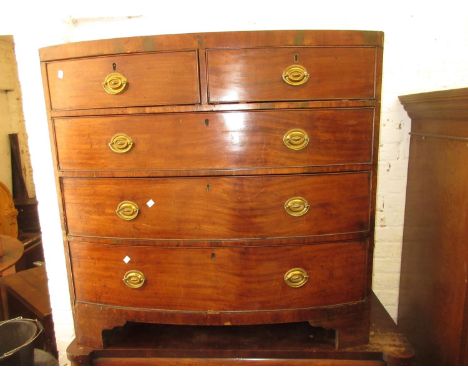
<point x="296" y="58"/>
<point x="213" y="256"/>
<point x="114" y="66"/>
<point x="207" y="122"/>
<point x="208" y="187"/>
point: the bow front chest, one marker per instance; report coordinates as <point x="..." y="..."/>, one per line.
<point x="217" y="178"/>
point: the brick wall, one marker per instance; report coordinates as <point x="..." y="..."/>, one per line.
<point x="391" y="189"/>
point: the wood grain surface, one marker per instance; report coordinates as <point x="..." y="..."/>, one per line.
<point x="218" y="207"/>
<point x="153" y="79"/>
<point x="212" y="279"/>
<point x="249" y="75"/>
<point x="204" y="141"/>
<point x="434" y="272"/>
<point x="244" y="39"/>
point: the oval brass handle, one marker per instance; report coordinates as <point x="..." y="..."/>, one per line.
<point x="295" y="75"/>
<point x="134" y="279"/>
<point x="114" y="83"/>
<point x="120" y="143"/>
<point x="127" y="210"/>
<point x="296" y="206"/>
<point x="296" y="277"/>
<point x="296" y="139"/>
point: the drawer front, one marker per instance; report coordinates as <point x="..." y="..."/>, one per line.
<point x="227" y="140"/>
<point x="218" y="207"/>
<point x="218" y="279"/>
<point x="256" y="75"/>
<point x="148" y="79"/>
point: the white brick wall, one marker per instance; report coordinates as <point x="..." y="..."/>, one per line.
<point x="425" y="49"/>
<point x="391" y="190"/>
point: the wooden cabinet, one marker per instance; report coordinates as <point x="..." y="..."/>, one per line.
<point x="433" y="308"/>
<point x="218" y="178"/>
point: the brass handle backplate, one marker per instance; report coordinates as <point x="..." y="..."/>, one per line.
<point x="296" y="277"/>
<point x="120" y="143"/>
<point x="296" y="206"/>
<point x="134" y="279"/>
<point x="295" y="75"/>
<point x="127" y="210"/>
<point x="114" y="83"/>
<point x="296" y="139"/>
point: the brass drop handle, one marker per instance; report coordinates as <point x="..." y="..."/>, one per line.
<point x="296" y="139"/>
<point x="127" y="210"/>
<point x="115" y="83"/>
<point x="120" y="143"/>
<point x="296" y="206"/>
<point x="134" y="279"/>
<point x="295" y="75"/>
<point x="296" y="277"/>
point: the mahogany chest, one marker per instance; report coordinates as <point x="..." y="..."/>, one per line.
<point x="218" y="178"/>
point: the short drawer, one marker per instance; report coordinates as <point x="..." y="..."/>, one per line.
<point x="232" y="207"/>
<point x="219" y="279"/>
<point x="169" y="78"/>
<point x="228" y="140"/>
<point x="291" y="74"/>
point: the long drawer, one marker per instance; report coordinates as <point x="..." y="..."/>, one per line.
<point x="290" y="74"/>
<point x="167" y="78"/>
<point x="228" y="140"/>
<point x="218" y="207"/>
<point x="219" y="279"/>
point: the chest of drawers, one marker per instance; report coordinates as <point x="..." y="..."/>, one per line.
<point x="217" y="178"/>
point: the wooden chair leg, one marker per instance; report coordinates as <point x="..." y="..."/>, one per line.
<point x="4" y="314"/>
